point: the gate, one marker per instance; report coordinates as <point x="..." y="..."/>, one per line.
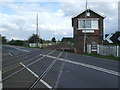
<point x="94" y="47"/>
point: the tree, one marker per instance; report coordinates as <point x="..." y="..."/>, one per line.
<point x="16" y="42"/>
<point x="34" y="38"/>
<point x="53" y="40"/>
<point x="4" y="40"/>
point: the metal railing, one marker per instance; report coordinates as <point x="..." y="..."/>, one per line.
<point x="106" y="50"/>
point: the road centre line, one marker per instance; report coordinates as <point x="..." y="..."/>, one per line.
<point x="42" y="81"/>
<point x="89" y="66"/>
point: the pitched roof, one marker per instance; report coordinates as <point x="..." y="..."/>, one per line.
<point x="91" y="11"/>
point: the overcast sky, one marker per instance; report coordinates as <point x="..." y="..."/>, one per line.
<point x="18" y="19"/>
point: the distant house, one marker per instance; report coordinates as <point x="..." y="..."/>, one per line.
<point x="93" y="29"/>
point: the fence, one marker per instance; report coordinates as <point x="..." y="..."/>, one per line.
<point x="34" y="45"/>
<point x="106" y="50"/>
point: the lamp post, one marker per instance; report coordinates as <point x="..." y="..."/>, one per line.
<point x="85" y="28"/>
<point x="37" y="30"/>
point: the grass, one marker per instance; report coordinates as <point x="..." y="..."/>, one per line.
<point x="111" y="57"/>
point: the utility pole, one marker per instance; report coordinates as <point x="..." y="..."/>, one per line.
<point x="37" y="29"/>
<point x="85" y="28"/>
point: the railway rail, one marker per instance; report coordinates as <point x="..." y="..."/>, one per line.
<point x="56" y="69"/>
<point x="39" y="78"/>
<point x="20" y="58"/>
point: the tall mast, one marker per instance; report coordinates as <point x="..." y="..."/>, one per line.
<point x="37" y="29"/>
<point x="85" y="27"/>
<point x="37" y="24"/>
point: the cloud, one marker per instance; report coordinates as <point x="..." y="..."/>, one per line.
<point x="23" y="23"/>
<point x="3" y="29"/>
<point x="59" y="1"/>
<point x="108" y="9"/>
<point x="15" y="38"/>
<point x="54" y="18"/>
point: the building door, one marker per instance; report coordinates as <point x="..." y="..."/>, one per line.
<point x="94" y="47"/>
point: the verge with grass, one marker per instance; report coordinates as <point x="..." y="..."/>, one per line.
<point x="111" y="57"/>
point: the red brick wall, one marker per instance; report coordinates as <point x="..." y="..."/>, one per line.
<point x="97" y="36"/>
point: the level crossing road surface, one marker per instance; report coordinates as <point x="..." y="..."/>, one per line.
<point x="33" y="68"/>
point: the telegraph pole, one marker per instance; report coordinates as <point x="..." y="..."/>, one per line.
<point x="37" y="29"/>
<point x="85" y="28"/>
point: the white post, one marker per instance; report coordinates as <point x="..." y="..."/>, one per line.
<point x="89" y="48"/>
<point x="97" y="49"/>
<point x="117" y="50"/>
<point x="84" y="47"/>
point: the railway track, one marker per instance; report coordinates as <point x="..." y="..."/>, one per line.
<point x="26" y="64"/>
<point x="56" y="69"/>
<point x="40" y="78"/>
<point x="21" y="58"/>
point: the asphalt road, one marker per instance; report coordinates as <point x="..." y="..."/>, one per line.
<point x="38" y="68"/>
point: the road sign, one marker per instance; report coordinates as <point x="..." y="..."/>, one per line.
<point x="108" y="38"/>
<point x="119" y="38"/>
<point x="114" y="38"/>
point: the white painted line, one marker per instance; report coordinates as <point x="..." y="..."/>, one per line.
<point x="26" y="66"/>
<point x="89" y="66"/>
<point x="25" y="50"/>
<point x="29" y="70"/>
<point x="95" y="67"/>
<point x="51" y="57"/>
<point x="1" y="86"/>
<point x="22" y="50"/>
<point x="46" y="84"/>
<point x="10" y="54"/>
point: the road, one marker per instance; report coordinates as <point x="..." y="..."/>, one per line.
<point x="39" y="68"/>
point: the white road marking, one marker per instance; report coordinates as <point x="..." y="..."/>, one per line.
<point x="18" y="48"/>
<point x="60" y="73"/>
<point x="29" y="70"/>
<point x="25" y="50"/>
<point x="89" y="66"/>
<point x="1" y="86"/>
<point x="95" y="67"/>
<point x="10" y="54"/>
<point x="46" y="71"/>
<point x="22" y="50"/>
<point x="46" y="84"/>
<point x="24" y="67"/>
<point x="42" y="81"/>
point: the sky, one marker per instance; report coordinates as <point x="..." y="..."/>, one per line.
<point x="18" y="19"/>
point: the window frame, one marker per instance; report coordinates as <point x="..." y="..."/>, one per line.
<point x="91" y="19"/>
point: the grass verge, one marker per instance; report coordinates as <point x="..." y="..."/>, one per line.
<point x="111" y="57"/>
